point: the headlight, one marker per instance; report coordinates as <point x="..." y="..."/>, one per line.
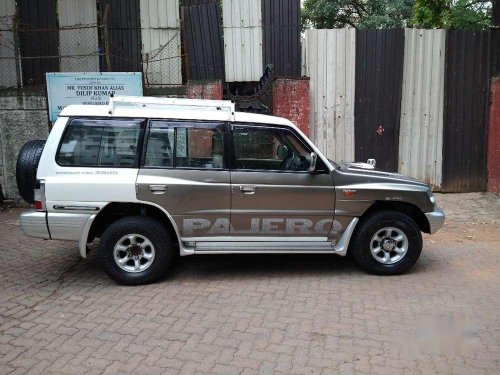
<point x="431" y="196"/>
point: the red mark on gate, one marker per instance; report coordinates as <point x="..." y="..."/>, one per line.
<point x="380" y="130"/>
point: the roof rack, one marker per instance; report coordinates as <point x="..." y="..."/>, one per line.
<point x="170" y="104"/>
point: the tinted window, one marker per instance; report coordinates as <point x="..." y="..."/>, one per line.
<point x="110" y="143"/>
<point x="199" y="145"/>
<point x="160" y="148"/>
<point x="269" y="149"/>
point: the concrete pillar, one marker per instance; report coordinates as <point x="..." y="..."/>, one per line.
<point x="291" y="101"/>
<point x="494" y="139"/>
<point x="204" y="90"/>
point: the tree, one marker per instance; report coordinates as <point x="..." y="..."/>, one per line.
<point x="452" y="14"/>
<point x="362" y="14"/>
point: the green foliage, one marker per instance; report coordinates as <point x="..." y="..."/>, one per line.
<point x="450" y="14"/>
<point x="362" y="14"/>
<point x="374" y="14"/>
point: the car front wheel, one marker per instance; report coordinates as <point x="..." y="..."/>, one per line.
<point x="136" y="250"/>
<point x="387" y="243"/>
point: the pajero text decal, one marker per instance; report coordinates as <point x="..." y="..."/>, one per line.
<point x="263" y="225"/>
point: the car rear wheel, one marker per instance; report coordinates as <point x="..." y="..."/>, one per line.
<point x="136" y="250"/>
<point x="386" y="243"/>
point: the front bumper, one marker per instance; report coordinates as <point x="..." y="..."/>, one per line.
<point x="34" y="224"/>
<point x="436" y="220"/>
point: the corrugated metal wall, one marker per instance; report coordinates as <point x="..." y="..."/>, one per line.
<point x="329" y="61"/>
<point x="124" y="34"/>
<point x="467" y="88"/>
<point x="379" y="71"/>
<point x="8" y="71"/>
<point x="79" y="42"/>
<point x="281" y="19"/>
<point x="203" y="40"/>
<point x="421" y="133"/>
<point x="36" y="15"/>
<point x="242" y="20"/>
<point x="161" y="41"/>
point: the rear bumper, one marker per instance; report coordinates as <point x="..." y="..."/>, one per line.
<point x="436" y="220"/>
<point x="34" y="224"/>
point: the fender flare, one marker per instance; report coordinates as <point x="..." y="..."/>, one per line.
<point x="82" y="243"/>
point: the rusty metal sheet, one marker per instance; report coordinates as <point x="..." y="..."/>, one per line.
<point x="467" y="90"/>
<point x="379" y="72"/>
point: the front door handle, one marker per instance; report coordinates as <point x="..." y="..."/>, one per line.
<point x="248" y="189"/>
<point x="158" y="189"/>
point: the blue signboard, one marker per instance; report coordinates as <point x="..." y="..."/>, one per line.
<point x="64" y="89"/>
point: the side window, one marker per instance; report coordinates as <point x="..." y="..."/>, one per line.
<point x="269" y="149"/>
<point x="185" y="145"/>
<point x="160" y="148"/>
<point x="110" y="143"/>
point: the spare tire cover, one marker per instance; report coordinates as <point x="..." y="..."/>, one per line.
<point x="26" y="167"/>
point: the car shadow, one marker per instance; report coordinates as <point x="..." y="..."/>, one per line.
<point x="258" y="265"/>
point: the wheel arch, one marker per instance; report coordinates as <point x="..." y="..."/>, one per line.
<point x="117" y="210"/>
<point x="404" y="207"/>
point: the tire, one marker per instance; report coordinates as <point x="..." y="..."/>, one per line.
<point x="26" y="167"/>
<point x="388" y="226"/>
<point x="138" y="226"/>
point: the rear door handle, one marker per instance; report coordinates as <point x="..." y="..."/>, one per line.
<point x="248" y="189"/>
<point x="158" y="189"/>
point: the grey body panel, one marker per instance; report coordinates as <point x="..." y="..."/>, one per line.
<point x="197" y="200"/>
<point x="369" y="186"/>
<point x="281" y="204"/>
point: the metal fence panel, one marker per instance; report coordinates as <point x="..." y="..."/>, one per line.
<point x="161" y="42"/>
<point x="123" y="35"/>
<point x="281" y="19"/>
<point x="421" y="133"/>
<point x="7" y="54"/>
<point x="203" y="40"/>
<point x="467" y="88"/>
<point x="80" y="45"/>
<point x="36" y="16"/>
<point x="329" y="60"/>
<point x="242" y="20"/>
<point x="379" y="72"/>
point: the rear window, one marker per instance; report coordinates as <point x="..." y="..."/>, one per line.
<point x="186" y="144"/>
<point x="104" y="143"/>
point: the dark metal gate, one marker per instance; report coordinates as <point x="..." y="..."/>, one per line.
<point x="379" y="72"/>
<point x="121" y="36"/>
<point x="281" y="21"/>
<point x="203" y="40"/>
<point x="40" y="50"/>
<point x="467" y="82"/>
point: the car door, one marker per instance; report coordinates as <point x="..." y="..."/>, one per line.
<point x="273" y="192"/>
<point x="183" y="171"/>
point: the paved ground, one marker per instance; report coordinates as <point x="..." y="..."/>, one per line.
<point x="258" y="314"/>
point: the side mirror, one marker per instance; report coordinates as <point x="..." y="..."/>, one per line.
<point x="314" y="160"/>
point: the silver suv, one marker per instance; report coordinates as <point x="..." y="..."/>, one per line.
<point x="152" y="177"/>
